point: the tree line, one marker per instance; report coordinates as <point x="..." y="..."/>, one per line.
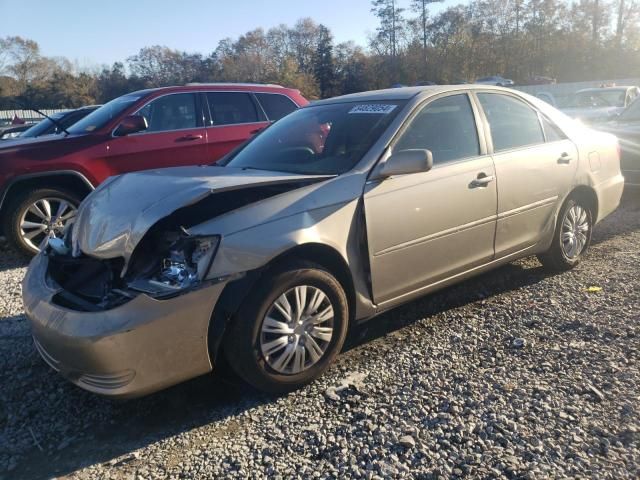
<point x="519" y="39"/>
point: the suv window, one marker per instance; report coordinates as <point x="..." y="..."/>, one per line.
<point x="170" y="112"/>
<point x="445" y="126"/>
<point x="275" y="105"/>
<point x="513" y="123"/>
<point x="228" y="108"/>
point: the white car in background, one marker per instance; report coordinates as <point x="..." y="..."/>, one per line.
<point x="495" y="80"/>
<point x="593" y="105"/>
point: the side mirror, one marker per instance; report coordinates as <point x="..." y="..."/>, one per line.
<point x="407" y="161"/>
<point x="131" y="124"/>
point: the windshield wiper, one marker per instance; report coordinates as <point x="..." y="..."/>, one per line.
<point x="52" y="120"/>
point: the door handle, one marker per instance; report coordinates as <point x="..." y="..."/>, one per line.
<point x="190" y="138"/>
<point x="564" y="159"/>
<point x="482" y="180"/>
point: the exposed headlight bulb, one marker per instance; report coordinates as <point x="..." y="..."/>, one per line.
<point x="188" y="261"/>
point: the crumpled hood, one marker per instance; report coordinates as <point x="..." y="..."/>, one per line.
<point x="114" y="218"/>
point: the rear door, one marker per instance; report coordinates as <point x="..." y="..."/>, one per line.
<point x="232" y="118"/>
<point x="175" y="137"/>
<point x="425" y="227"/>
<point x="535" y="166"/>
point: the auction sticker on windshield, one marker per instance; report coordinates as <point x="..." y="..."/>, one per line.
<point x="373" y="108"/>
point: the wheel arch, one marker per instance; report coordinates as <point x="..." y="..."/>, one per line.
<point x="590" y="198"/>
<point x="236" y="291"/>
<point x="67" y="179"/>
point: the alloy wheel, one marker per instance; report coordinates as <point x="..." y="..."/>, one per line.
<point x="44" y="219"/>
<point x="297" y="330"/>
<point x="575" y="231"/>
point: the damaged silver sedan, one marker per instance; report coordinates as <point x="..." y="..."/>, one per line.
<point x="335" y="213"/>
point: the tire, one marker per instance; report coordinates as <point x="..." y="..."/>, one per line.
<point x="17" y="211"/>
<point x="245" y="341"/>
<point x="559" y="257"/>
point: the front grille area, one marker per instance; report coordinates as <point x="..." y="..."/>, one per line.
<point x="88" y="284"/>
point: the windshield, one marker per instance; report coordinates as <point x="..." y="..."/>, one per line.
<point x="103" y="115"/>
<point x="64" y="119"/>
<point x="600" y="98"/>
<point x="44" y="127"/>
<point x="321" y="140"/>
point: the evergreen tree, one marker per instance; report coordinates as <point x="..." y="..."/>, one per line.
<point x="324" y="66"/>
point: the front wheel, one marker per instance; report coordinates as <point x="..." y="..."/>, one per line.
<point x="289" y="330"/>
<point x="571" y="238"/>
<point x="36" y="215"/>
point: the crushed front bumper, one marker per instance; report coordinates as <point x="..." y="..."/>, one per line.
<point x="137" y="348"/>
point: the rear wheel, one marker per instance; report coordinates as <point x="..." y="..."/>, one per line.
<point x="36" y="215"/>
<point x="571" y="238"/>
<point x="290" y="329"/>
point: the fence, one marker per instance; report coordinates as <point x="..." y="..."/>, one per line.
<point x="29" y="116"/>
<point x="562" y="92"/>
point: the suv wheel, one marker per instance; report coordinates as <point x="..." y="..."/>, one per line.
<point x="37" y="215"/>
<point x="290" y="329"/>
<point x="571" y="238"/>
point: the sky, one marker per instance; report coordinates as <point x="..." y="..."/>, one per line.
<point x="96" y="33"/>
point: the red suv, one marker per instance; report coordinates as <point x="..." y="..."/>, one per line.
<point x="43" y="179"/>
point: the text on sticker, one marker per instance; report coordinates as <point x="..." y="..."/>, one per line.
<point x="373" y="108"/>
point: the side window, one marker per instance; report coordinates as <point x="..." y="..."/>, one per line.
<point x="513" y="123"/>
<point x="551" y="130"/>
<point x="228" y="108"/>
<point x="276" y="106"/>
<point x="170" y="112"/>
<point x="445" y="126"/>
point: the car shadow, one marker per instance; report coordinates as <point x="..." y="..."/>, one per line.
<point x="504" y="279"/>
<point x="124" y="427"/>
<point x="9" y="258"/>
<point x="130" y="425"/>
<point x="134" y="424"/>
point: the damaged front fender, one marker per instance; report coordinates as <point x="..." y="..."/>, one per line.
<point x="113" y="219"/>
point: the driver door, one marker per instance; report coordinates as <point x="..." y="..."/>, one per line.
<point x="425" y="227"/>
<point x="175" y="137"/>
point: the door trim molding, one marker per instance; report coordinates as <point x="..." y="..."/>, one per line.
<point x="434" y="236"/>
<point x="531" y="206"/>
<point x="425" y="289"/>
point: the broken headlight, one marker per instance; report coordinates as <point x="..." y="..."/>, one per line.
<point x="187" y="261"/>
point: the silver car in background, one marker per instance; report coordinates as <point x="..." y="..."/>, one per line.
<point x="596" y="105"/>
<point x="340" y="211"/>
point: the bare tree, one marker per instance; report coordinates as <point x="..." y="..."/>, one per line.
<point x="392" y="24"/>
<point x="422" y="8"/>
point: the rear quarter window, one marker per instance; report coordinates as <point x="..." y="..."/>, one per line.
<point x="275" y="105"/>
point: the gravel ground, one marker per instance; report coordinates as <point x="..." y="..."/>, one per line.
<point x="515" y="374"/>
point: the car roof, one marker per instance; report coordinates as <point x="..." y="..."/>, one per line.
<point x="249" y="87"/>
<point x="405" y="93"/>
